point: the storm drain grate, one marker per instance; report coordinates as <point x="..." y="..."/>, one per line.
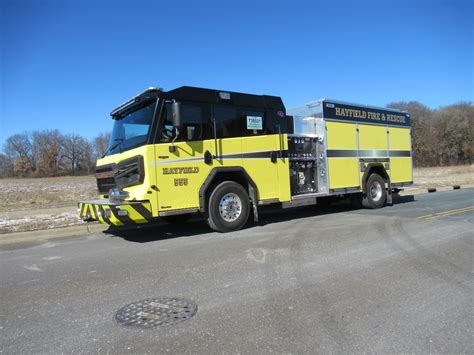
<point x="156" y="312"/>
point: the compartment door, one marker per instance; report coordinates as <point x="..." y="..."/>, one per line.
<point x="343" y="161"/>
<point x="400" y="155"/>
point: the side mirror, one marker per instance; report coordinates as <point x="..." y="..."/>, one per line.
<point x="176" y="114"/>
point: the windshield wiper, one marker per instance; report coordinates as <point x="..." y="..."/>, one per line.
<point x="113" y="146"/>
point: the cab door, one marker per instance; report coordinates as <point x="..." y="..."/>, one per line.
<point x="244" y="141"/>
<point x="180" y="166"/>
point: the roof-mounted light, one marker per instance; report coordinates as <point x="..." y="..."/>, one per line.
<point x="224" y="95"/>
<point x="129" y="103"/>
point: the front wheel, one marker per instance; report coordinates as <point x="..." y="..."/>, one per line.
<point x="375" y="193"/>
<point x="229" y="207"/>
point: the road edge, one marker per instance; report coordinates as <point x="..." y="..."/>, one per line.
<point x="53" y="233"/>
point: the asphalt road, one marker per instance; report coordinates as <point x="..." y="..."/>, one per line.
<point x="399" y="279"/>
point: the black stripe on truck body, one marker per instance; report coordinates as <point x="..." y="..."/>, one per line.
<point x="400" y="153"/>
<point x="253" y="155"/>
<point x="125" y="219"/>
<point x="366" y="153"/>
<point x="141" y="210"/>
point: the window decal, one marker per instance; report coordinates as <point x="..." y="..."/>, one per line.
<point x="254" y="122"/>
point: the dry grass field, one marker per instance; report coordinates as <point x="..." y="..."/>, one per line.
<point x="39" y="193"/>
<point x="42" y="203"/>
<point x="445" y="176"/>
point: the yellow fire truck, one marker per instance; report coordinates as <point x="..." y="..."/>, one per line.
<point x="225" y="154"/>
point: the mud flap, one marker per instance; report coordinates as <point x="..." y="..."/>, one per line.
<point x="253" y="199"/>
<point x="388" y="186"/>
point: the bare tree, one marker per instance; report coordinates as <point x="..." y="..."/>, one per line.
<point x="48" y="148"/>
<point x="101" y="142"/>
<point x="88" y="158"/>
<point x="20" y="151"/>
<point x="6" y="166"/>
<point x="74" y="150"/>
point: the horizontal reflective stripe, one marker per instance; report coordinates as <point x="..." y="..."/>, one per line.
<point x="366" y="153"/>
<point x="265" y="154"/>
<point x="400" y="153"/>
<point x="164" y="161"/>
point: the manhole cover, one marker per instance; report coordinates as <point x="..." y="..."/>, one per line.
<point x="156" y="312"/>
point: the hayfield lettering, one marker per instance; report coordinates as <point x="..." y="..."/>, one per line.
<point x="181" y="170"/>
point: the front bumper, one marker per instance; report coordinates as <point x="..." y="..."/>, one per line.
<point x="126" y="213"/>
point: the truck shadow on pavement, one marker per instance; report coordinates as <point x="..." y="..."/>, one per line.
<point x="268" y="215"/>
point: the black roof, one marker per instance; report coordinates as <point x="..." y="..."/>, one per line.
<point x="189" y="93"/>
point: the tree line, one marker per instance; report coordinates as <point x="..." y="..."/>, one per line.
<point x="50" y="153"/>
<point x="440" y="137"/>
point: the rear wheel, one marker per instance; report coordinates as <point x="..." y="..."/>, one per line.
<point x="229" y="207"/>
<point x="375" y="193"/>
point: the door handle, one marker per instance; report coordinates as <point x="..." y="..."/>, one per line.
<point x="208" y="157"/>
<point x="273" y="157"/>
<point x="163" y="157"/>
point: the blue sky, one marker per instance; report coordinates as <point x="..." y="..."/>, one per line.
<point x="67" y="64"/>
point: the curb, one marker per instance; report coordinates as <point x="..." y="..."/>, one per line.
<point x="420" y="191"/>
<point x="433" y="189"/>
<point x="53" y="233"/>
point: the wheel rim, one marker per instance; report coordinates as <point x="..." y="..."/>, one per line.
<point x="376" y="191"/>
<point x="230" y="207"/>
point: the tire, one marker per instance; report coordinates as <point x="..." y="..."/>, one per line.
<point x="177" y="219"/>
<point x="375" y="194"/>
<point x="228" y="208"/>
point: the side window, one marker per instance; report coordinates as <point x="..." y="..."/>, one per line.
<point x="195" y="124"/>
<point x="227" y="122"/>
<point x="278" y="122"/>
<point x="238" y="122"/>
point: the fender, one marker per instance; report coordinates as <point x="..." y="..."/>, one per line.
<point x="252" y="188"/>
<point x="378" y="166"/>
<point x="370" y="167"/>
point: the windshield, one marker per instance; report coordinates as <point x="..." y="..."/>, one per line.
<point x="131" y="130"/>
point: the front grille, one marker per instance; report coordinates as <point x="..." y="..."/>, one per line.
<point x="105" y="178"/>
<point x="104" y="185"/>
<point x="128" y="172"/>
